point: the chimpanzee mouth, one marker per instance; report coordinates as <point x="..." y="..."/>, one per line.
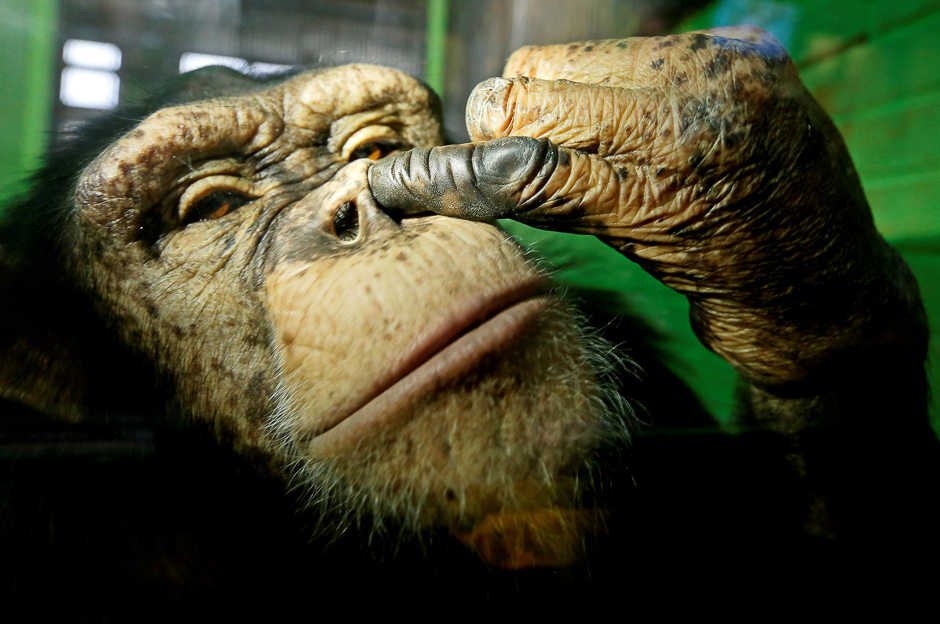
<point x="456" y="347"/>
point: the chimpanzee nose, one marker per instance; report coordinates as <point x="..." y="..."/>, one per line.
<point x="349" y="212"/>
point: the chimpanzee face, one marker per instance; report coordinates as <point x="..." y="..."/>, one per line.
<point x="417" y="368"/>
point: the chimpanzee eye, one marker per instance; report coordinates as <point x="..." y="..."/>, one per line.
<point x="373" y="150"/>
<point x="216" y="205"/>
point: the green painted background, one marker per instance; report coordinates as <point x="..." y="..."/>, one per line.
<point x="27" y="48"/>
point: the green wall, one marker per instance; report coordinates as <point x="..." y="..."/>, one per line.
<point x="27" y="46"/>
<point x="585" y="261"/>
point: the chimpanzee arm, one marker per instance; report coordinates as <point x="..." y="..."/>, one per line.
<point x="703" y="158"/>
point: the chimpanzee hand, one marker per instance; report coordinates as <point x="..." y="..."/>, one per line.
<point x="703" y="158"/>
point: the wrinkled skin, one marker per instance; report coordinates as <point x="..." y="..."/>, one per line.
<point x="417" y="371"/>
<point x="703" y="158"/>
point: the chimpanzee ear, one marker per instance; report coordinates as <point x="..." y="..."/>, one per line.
<point x="40" y="346"/>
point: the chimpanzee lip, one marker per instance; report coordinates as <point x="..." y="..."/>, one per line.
<point x="454" y="348"/>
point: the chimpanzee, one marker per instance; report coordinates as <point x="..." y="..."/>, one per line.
<point x="270" y="276"/>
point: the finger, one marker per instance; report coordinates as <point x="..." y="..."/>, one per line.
<point x="607" y="121"/>
<point x="689" y="58"/>
<point x="471" y="181"/>
<point x="530" y="180"/>
<point x="610" y="62"/>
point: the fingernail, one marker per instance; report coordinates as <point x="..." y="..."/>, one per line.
<point x="486" y="96"/>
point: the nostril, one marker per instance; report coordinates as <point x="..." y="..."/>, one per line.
<point x="346" y="222"/>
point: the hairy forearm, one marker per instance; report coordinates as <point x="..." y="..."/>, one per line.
<point x="836" y="354"/>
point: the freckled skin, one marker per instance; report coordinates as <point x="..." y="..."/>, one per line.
<point x="191" y="281"/>
<point x="416" y="371"/>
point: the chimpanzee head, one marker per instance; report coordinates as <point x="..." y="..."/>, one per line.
<point x="418" y="368"/>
